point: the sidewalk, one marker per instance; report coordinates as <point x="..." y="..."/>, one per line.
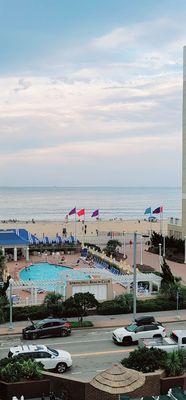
<point x="104" y="321"/>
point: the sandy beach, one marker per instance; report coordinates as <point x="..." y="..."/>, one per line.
<point x="93" y="228"/>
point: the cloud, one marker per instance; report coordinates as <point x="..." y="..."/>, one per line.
<point x="123" y="107"/>
<point x="144" y="33"/>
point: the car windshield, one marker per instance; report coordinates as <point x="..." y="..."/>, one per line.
<point x="55" y="352"/>
<point x="131" y="328"/>
<point x="38" y="324"/>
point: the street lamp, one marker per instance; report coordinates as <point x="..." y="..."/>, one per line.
<point x="177" y="304"/>
<point x="160" y="256"/>
<point x="124" y="245"/>
<point x="164" y="246"/>
<point x="134" y="276"/>
<point x="141" y="250"/>
<point x="185" y="250"/>
<point x="11" y="281"/>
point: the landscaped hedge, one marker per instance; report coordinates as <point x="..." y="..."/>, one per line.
<point x="121" y="305"/>
<point x="39" y="312"/>
<point x="158" y="304"/>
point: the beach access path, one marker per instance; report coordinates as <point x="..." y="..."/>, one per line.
<point x="152" y="260"/>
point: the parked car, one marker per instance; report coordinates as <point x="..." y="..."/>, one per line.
<point x="47" y="327"/>
<point x="176" y="341"/>
<point x="132" y="333"/>
<point x="51" y="359"/>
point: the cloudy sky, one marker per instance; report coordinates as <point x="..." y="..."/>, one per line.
<point x="91" y="92"/>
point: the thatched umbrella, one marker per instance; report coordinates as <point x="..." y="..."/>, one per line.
<point x="118" y="380"/>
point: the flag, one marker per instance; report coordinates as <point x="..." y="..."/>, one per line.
<point x="158" y="210"/>
<point x="73" y="211"/>
<point x="148" y="210"/>
<point x="95" y="213"/>
<point x="81" y="212"/>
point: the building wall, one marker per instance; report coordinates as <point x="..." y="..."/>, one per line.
<point x="184" y="147"/>
<point x="101" y="288"/>
<point x="85" y="391"/>
<point x="175" y="230"/>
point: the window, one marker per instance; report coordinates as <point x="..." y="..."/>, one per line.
<point x="48" y="325"/>
<point x="140" y="329"/>
<point x="55" y="323"/>
<point x="151" y="327"/>
<point x="43" y="354"/>
<point x="184" y="340"/>
<point x="131" y="328"/>
<point x="54" y="352"/>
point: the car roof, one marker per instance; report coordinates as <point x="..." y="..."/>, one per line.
<point x="144" y="317"/>
<point x="51" y="319"/>
<point x="27" y="348"/>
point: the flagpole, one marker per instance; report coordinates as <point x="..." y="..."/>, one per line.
<point x="83" y="231"/>
<point x="161" y="220"/>
<point x="75" y="226"/>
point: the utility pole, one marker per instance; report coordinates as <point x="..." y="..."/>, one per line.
<point x="134" y="276"/>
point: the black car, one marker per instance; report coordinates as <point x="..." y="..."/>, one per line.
<point x="47" y="327"/>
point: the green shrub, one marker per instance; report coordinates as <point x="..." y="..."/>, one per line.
<point x="145" y="360"/>
<point x="110" y="307"/>
<point x="19" y="368"/>
<point x="83" y="324"/>
<point x="174" y="363"/>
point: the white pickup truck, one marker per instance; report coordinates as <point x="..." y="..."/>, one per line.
<point x="177" y="340"/>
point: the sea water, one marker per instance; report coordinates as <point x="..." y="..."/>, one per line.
<point x="53" y="203"/>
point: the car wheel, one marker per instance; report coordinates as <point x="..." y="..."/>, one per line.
<point x="157" y="336"/>
<point x="61" y="368"/>
<point x="127" y="341"/>
<point x="63" y="333"/>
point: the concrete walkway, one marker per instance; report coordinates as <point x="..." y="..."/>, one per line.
<point x="151" y="259"/>
<point x="104" y="321"/>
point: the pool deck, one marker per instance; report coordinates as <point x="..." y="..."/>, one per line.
<point x="14" y="268"/>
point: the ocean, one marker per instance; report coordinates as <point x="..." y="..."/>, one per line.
<point x="53" y="203"/>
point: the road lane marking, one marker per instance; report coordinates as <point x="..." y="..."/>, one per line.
<point x="21" y="343"/>
<point x="100" y="353"/>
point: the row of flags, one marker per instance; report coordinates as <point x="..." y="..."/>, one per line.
<point x="82" y="212"/>
<point x="157" y="210"/>
<point x="95" y="213"/>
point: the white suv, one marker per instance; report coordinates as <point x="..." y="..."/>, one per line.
<point x="50" y="358"/>
<point x="132" y="333"/>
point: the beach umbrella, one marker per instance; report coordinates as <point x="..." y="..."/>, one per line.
<point x="118" y="380"/>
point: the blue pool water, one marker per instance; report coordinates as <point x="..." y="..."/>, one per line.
<point x="46" y="271"/>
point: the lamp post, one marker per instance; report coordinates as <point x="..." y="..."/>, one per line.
<point x="185" y="250"/>
<point x="10" y="303"/>
<point x="141" y="250"/>
<point x="160" y="257"/>
<point x="164" y="246"/>
<point x="124" y="245"/>
<point x="177" y="304"/>
<point x="134" y="276"/>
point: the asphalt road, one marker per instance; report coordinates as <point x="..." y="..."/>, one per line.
<point x="92" y="350"/>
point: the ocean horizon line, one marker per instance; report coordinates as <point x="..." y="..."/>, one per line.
<point x="88" y="187"/>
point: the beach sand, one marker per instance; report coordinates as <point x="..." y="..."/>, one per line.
<point x="49" y="228"/>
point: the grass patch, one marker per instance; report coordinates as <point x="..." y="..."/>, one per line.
<point x="84" y="324"/>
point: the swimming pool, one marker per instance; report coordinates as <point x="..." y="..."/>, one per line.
<point x="46" y="272"/>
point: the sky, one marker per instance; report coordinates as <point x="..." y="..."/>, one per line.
<point x="91" y="92"/>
